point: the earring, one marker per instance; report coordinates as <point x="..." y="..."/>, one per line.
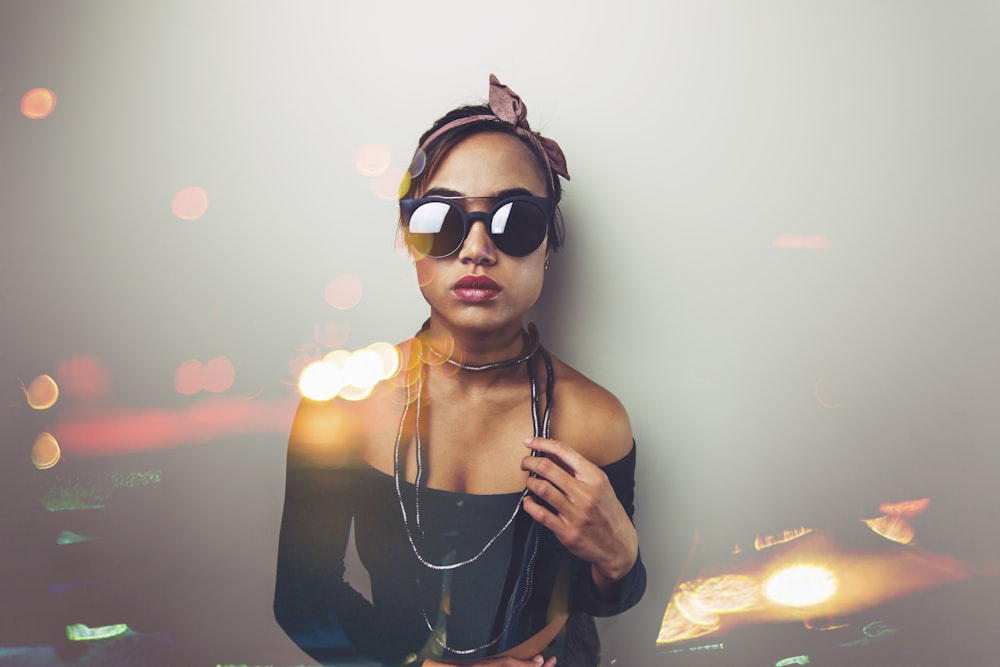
<point x="546" y="265"/>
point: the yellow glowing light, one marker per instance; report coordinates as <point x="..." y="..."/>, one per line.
<point x="45" y="453"/>
<point x="800" y="586"/>
<point x="351" y="393"/>
<point x="762" y="542"/>
<point x="389" y="356"/>
<point x="190" y="203"/>
<point x="338" y="358"/>
<point x="42" y="393"/>
<point x="320" y="381"/>
<point x="372" y="159"/>
<point x="404" y="184"/>
<point x="38" y="103"/>
<point x="895" y="528"/>
<point x="363" y="368"/>
<point x="344" y="292"/>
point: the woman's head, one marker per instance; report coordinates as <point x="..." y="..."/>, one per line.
<point x="505" y="114"/>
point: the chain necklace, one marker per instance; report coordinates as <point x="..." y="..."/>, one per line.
<point x="541" y="422"/>
<point x="531" y="346"/>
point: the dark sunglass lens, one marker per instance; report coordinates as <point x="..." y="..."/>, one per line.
<point x="518" y="228"/>
<point x="436" y="229"/>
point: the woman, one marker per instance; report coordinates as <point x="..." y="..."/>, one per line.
<point x="490" y="485"/>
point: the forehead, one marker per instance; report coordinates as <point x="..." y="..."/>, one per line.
<point x="487" y="163"/>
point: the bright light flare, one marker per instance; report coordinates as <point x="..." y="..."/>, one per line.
<point x="321" y="381"/>
<point x="762" y="542"/>
<point x="344" y="292"/>
<point x="45" y="453"/>
<point x="905" y="507"/>
<point x="372" y="159"/>
<point x="38" y="103"/>
<point x="800" y="586"/>
<point x="389" y="357"/>
<point x="190" y="203"/>
<point x="42" y="393"/>
<point x="895" y="528"/>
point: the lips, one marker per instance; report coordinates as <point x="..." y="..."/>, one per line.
<point x="477" y="288"/>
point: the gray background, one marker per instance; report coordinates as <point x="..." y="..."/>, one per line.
<point x="697" y="133"/>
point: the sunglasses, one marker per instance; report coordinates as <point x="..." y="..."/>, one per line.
<point x="437" y="226"/>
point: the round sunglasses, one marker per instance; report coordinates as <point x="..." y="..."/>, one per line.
<point x="437" y="226"/>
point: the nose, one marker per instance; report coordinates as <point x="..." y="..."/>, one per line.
<point x="478" y="248"/>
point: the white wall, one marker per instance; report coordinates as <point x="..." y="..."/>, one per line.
<point x="697" y="133"/>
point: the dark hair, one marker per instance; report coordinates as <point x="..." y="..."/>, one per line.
<point x="424" y="164"/>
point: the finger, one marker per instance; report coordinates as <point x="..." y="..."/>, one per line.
<point x="560" y="451"/>
<point x="543" y="515"/>
<point x="546" y="491"/>
<point x="550" y="470"/>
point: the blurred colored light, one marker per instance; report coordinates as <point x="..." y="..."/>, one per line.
<point x="69" y="537"/>
<point x="796" y="660"/>
<point x="372" y="159"/>
<point x="218" y="375"/>
<point x="38" y="103"/>
<point x="79" y="632"/>
<point x="800" y="586"/>
<point x="190" y="203"/>
<point x="45" y="453"/>
<point x="188" y="380"/>
<point x="363" y="369"/>
<point x="350" y="392"/>
<point x="84" y="376"/>
<point x="815" y="242"/>
<point x="389" y="356"/>
<point x="417" y="164"/>
<point x="42" y="393"/>
<point x="387" y="185"/>
<point x="762" y="542"/>
<point x="344" y="292"/>
<point x="895" y="528"/>
<point x="320" y="381"/>
<point x="906" y="507"/>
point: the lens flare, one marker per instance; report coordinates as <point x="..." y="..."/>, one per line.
<point x="762" y="542"/>
<point x="42" y="393"/>
<point x="45" y="453"/>
<point x="389" y="356"/>
<point x="84" y="376"/>
<point x="190" y="203"/>
<point x="188" y="379"/>
<point x="351" y="393"/>
<point x="800" y="586"/>
<point x="344" y="292"/>
<point x="38" y="103"/>
<point x="372" y="159"/>
<point x="387" y="185"/>
<point x="895" y="528"/>
<point x="320" y="381"/>
<point x="218" y="375"/>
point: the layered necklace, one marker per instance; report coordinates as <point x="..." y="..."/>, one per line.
<point x="541" y="422"/>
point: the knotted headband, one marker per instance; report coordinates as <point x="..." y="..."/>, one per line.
<point x="508" y="108"/>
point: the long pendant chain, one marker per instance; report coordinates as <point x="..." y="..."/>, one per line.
<point x="541" y="428"/>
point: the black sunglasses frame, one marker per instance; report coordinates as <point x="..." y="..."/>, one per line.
<point x="408" y="207"/>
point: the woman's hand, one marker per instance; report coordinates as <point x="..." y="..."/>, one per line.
<point x="587" y="517"/>
<point x="500" y="661"/>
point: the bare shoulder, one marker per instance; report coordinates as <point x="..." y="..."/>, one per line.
<point x="340" y="432"/>
<point x="589" y="417"/>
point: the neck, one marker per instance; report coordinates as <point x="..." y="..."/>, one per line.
<point x="478" y="354"/>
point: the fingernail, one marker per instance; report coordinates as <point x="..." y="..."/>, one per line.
<point x="539" y="659"/>
<point x="527" y="441"/>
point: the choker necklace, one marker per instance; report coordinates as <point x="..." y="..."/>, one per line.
<point x="530" y="348"/>
<point x="541" y="421"/>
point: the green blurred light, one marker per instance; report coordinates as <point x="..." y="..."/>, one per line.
<point x="797" y="660"/>
<point x="78" y="632"/>
<point x="69" y="537"/>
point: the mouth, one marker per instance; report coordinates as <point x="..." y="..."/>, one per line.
<point x="477" y="288"/>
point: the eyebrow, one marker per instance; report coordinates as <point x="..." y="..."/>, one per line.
<point x="454" y="194"/>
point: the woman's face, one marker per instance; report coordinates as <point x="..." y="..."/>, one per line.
<point x="487" y="166"/>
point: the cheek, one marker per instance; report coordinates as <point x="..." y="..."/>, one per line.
<point x="426" y="270"/>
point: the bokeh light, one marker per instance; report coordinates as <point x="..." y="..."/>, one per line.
<point x="387" y="185"/>
<point x="350" y="392"/>
<point x="389" y="356"/>
<point x="814" y="242"/>
<point x="363" y="368"/>
<point x="84" y="376"/>
<point x="800" y="586"/>
<point x="218" y="375"/>
<point x="372" y="159"/>
<point x="320" y="381"/>
<point x="344" y="292"/>
<point x="190" y="203"/>
<point x="42" y="393"/>
<point x="45" y="453"/>
<point x="188" y="380"/>
<point x="38" y="103"/>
